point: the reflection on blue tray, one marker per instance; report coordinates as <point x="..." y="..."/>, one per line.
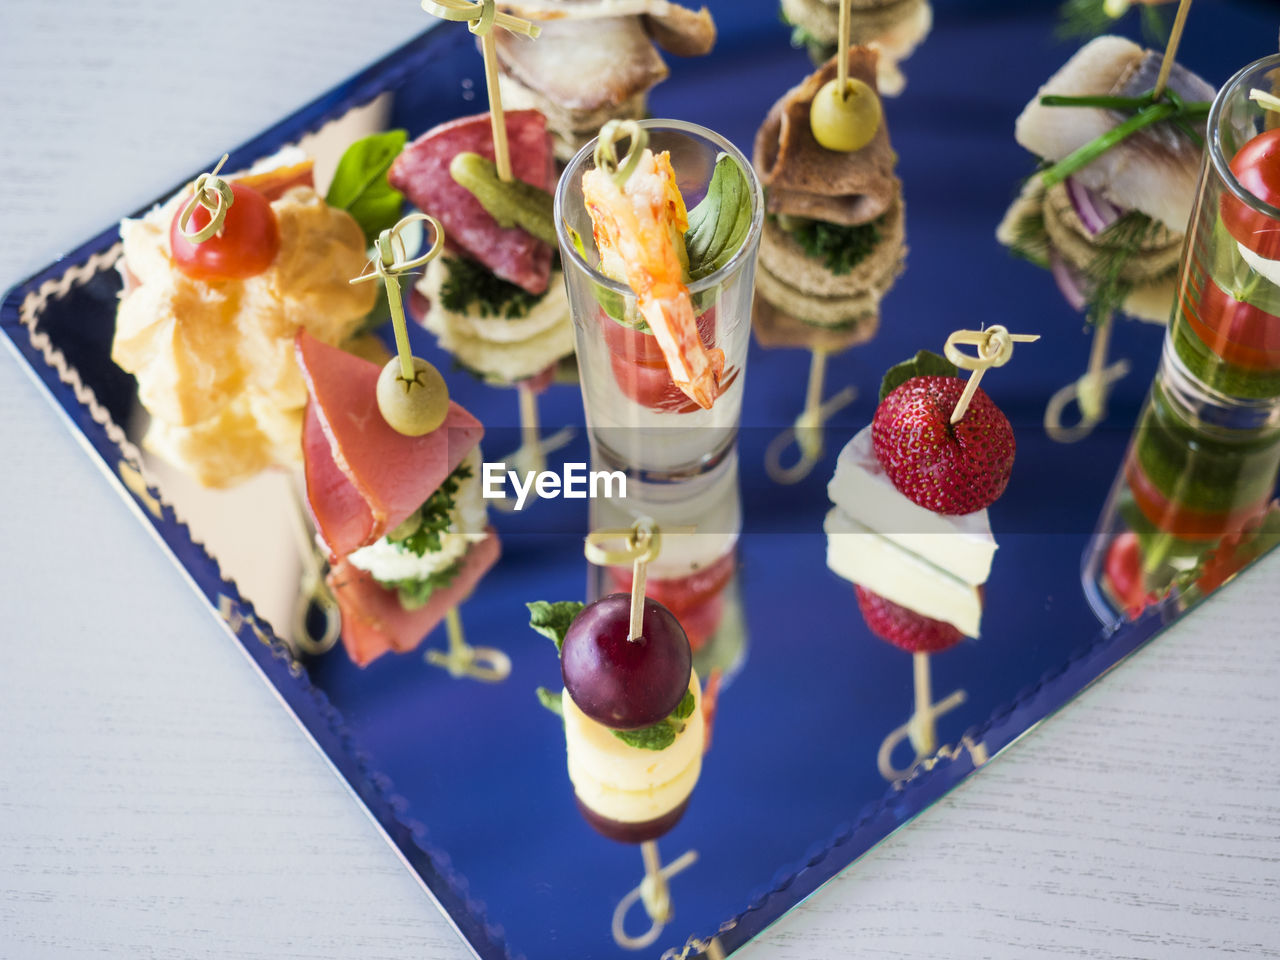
<point x="469" y="780"/>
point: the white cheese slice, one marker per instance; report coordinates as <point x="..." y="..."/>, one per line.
<point x="626" y="783"/>
<point x="634" y="806"/>
<point x="864" y="557"/>
<point x="1269" y="269"/>
<point x="961" y="545"/>
<point x="595" y="750"/>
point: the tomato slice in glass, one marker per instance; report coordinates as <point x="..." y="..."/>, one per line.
<point x="245" y="246"/>
<point x="640" y="368"/>
<point x="1238" y="332"/>
<point x="1184" y="522"/>
<point x="1256" y="166"/>
<point x="641" y="346"/>
<point x="629" y="344"/>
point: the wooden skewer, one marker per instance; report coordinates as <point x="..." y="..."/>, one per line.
<point x="501" y="152"/>
<point x="659" y="901"/>
<point x="639" y="572"/>
<point x="817" y="376"/>
<point x="842" y="64"/>
<point x="530" y="429"/>
<point x="1171" y="49"/>
<point x="995" y="347"/>
<point x="642" y="544"/>
<point x="923" y="718"/>
<point x="481" y="17"/>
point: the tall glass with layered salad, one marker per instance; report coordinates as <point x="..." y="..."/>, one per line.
<point x="658" y="223"/>
<point x="1195" y="499"/>
<point x="1225" y="332"/>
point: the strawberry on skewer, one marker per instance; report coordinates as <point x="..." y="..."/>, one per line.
<point x="946" y="468"/>
<point x="909" y="527"/>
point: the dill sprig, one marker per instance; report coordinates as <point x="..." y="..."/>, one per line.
<point x="1107" y="287"/>
<point x="1031" y="238"/>
<point x="1086" y="19"/>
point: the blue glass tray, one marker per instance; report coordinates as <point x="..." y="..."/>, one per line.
<point x="468" y="780"/>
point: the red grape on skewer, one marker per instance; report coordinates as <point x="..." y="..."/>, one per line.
<point x="622" y="683"/>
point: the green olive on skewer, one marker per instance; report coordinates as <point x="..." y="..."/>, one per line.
<point x="846" y="121"/>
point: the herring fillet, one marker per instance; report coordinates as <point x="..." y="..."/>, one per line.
<point x="1153" y="171"/>
<point x="614" y="52"/>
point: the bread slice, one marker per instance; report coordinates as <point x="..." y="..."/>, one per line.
<point x="783" y="256"/>
<point x="776" y="328"/>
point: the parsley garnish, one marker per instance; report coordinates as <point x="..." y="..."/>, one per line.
<point x="551" y="700"/>
<point x="552" y="619"/>
<point x="657" y="737"/>
<point x="840" y="248"/>
<point x="662" y="734"/>
<point x="415" y="593"/>
<point x="684" y="709"/>
<point x="433" y="517"/>
<point x="472" y="288"/>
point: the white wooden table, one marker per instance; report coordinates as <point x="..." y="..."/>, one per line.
<point x="156" y="800"/>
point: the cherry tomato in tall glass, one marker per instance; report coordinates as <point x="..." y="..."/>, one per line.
<point x="1257" y="168"/>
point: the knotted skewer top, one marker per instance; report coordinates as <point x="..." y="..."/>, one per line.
<point x="480" y="16"/>
<point x="606" y="151"/>
<point x="994" y="349"/>
<point x="641" y="543"/>
<point x="214" y="194"/>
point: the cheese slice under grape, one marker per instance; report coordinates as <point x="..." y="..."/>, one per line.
<point x="960" y="545"/>
<point x="629" y="784"/>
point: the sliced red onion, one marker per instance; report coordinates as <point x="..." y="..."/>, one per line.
<point x="1094" y="212"/>
<point x="1069" y="281"/>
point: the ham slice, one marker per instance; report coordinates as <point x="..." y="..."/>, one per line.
<point x="275" y="183"/>
<point x="364" y="478"/>
<point x="805" y="179"/>
<point x="421" y="172"/>
<point x="374" y="622"/>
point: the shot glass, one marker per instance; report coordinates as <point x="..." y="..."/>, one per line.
<point x="638" y="420"/>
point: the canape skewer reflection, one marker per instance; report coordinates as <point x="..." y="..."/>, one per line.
<point x="653" y="893"/>
<point x="921" y="730"/>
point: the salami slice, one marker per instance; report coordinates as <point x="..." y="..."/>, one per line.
<point x="422" y="173"/>
<point x="364" y="478"/>
<point x="374" y="622"/>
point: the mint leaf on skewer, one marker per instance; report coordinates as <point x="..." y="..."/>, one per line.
<point x="552" y="619"/>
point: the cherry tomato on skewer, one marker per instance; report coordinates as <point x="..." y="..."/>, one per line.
<point x="245" y="246"/>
